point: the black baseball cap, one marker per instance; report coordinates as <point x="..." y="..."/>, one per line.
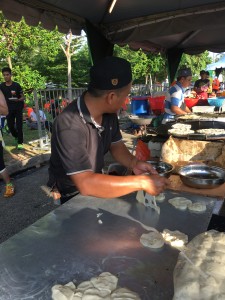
<point x="110" y="73"/>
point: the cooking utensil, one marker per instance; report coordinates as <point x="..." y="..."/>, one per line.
<point x="202" y="176"/>
<point x="164" y="169"/>
<point x="144" y="120"/>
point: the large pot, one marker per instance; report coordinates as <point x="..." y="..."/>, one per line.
<point x="202" y="176"/>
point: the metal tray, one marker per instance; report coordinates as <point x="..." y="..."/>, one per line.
<point x="202" y="176"/>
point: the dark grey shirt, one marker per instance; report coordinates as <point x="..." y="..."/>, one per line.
<point x="79" y="144"/>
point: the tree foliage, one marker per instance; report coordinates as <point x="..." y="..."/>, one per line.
<point x="196" y="62"/>
<point x="36" y="57"/>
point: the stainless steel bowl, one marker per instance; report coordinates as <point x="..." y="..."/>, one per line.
<point x="141" y="120"/>
<point x="164" y="169"/>
<point x="201" y="176"/>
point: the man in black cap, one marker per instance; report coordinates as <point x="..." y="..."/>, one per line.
<point x="87" y="129"/>
<point x="174" y="103"/>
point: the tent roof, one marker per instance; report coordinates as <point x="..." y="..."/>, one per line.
<point x="192" y="26"/>
<point x="217" y="65"/>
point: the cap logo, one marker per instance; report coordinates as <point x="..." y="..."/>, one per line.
<point x="114" y="81"/>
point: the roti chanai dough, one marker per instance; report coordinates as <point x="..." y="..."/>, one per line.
<point x="152" y="240"/>
<point x="207" y="252"/>
<point x="175" y="238"/>
<point x="180" y="202"/>
<point x="102" y="287"/>
<point x="160" y="198"/>
<point x="197" y="207"/>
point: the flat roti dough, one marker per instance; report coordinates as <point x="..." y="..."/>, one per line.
<point x="197" y="207"/>
<point x="123" y="293"/>
<point x="180" y="202"/>
<point x="175" y="238"/>
<point x="160" y="198"/>
<point x="152" y="240"/>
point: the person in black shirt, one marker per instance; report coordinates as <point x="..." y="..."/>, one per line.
<point x="15" y="100"/>
<point x="202" y="85"/>
<point x="87" y="129"/>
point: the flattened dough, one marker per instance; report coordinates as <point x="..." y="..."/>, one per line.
<point x="175" y="238"/>
<point x="160" y="198"/>
<point x="180" y="202"/>
<point x="197" y="207"/>
<point x="152" y="240"/>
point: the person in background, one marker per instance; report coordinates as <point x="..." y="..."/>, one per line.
<point x="215" y="84"/>
<point x="32" y="121"/>
<point x="15" y="100"/>
<point x="201" y="85"/>
<point x="210" y="82"/>
<point x="9" y="188"/>
<point x="87" y="129"/>
<point x="174" y="103"/>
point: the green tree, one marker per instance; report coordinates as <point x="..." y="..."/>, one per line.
<point x="146" y="68"/>
<point x="196" y="62"/>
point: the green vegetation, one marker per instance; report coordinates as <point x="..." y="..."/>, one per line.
<point x="36" y="57"/>
<point x="29" y="135"/>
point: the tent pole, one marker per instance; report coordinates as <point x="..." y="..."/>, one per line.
<point x="173" y="59"/>
<point x="98" y="45"/>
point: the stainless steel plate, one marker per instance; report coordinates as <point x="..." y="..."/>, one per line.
<point x="202" y="176"/>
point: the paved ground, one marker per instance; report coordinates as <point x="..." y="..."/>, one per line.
<point x="28" y="205"/>
<point x="31" y="201"/>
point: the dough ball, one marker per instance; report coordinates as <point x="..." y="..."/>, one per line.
<point x="105" y="281"/>
<point x="84" y="286"/>
<point x="123" y="293"/>
<point x="96" y="294"/>
<point x="152" y="240"/>
<point x="207" y="253"/>
<point x="180" y="203"/>
<point x="197" y="207"/>
<point x="160" y="197"/>
<point x="63" y="292"/>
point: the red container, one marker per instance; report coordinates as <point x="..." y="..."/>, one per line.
<point x="190" y="102"/>
<point x="157" y="104"/>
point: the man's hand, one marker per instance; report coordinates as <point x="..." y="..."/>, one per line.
<point x="142" y="167"/>
<point x="156" y="184"/>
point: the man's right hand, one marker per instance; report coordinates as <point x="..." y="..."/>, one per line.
<point x="156" y="184"/>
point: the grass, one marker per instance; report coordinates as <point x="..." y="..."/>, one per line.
<point x="29" y="135"/>
<point x="12" y="154"/>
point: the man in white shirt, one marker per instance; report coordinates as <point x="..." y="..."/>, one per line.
<point x="32" y="121"/>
